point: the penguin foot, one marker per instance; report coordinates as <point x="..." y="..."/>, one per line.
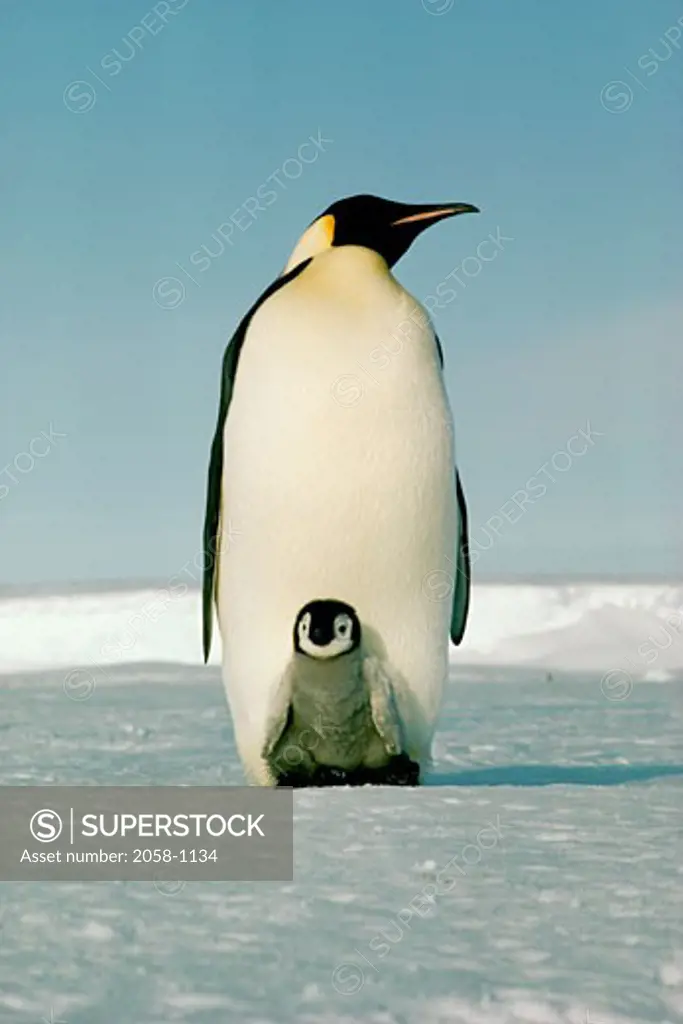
<point x="400" y="771"/>
<point x="321" y="775"/>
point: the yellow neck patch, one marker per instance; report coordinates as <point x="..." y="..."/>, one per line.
<point x="314" y="240"/>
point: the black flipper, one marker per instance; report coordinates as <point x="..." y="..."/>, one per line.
<point x="213" y="493"/>
<point x="439" y="349"/>
<point x="461" y="582"/>
<point x="461" y="575"/>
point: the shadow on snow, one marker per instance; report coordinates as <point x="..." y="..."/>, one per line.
<point x="554" y="775"/>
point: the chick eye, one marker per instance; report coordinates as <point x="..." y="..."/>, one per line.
<point x="342" y="628"/>
<point x="304" y="626"/>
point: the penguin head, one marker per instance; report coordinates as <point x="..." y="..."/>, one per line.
<point x="382" y="225"/>
<point x="326" y="629"/>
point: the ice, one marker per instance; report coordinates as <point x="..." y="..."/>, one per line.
<point x="637" y="627"/>
<point x="672" y="973"/>
<point x="556" y="808"/>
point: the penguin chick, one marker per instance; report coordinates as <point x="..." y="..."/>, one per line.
<point x="334" y="709"/>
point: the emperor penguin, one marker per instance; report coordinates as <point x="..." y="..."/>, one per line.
<point x="332" y="470"/>
<point x="333" y="718"/>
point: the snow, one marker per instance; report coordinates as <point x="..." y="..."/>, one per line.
<point x="577" y="627"/>
<point x="536" y="879"/>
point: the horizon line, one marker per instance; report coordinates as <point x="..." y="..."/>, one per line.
<point x="55" y="588"/>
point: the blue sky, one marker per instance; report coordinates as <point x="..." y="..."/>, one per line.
<point x="560" y="121"/>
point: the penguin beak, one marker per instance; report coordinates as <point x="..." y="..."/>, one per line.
<point x="424" y="216"/>
<point x="318" y="636"/>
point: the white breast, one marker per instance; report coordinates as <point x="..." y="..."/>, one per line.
<point x="338" y="482"/>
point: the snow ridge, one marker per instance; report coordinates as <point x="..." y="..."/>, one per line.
<point x="632" y="628"/>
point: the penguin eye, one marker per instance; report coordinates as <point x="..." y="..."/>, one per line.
<point x="342" y="627"/>
<point x="304" y="625"/>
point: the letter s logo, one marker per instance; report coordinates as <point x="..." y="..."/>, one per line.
<point x="46" y="826"/>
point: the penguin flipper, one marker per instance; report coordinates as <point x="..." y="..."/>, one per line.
<point x="383" y="705"/>
<point x="212" y="516"/>
<point x="461" y="583"/>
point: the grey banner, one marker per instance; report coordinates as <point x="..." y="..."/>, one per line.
<point x="161" y="834"/>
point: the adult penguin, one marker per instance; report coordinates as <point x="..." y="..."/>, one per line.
<point x="332" y="471"/>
